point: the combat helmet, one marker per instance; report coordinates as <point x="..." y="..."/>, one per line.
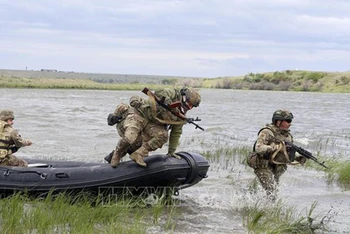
<point x="6" y="115"/>
<point x="190" y="98"/>
<point x="282" y="115"/>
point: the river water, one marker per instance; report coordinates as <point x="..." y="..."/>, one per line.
<point x="71" y="125"/>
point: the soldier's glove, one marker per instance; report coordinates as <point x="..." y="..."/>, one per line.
<point x="301" y="160"/>
<point x="112" y="119"/>
<point x="171" y="153"/>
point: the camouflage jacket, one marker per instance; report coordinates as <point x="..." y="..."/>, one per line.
<point x="268" y="137"/>
<point x="152" y="111"/>
<point x="9" y="138"/>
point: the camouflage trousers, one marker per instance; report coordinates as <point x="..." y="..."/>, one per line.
<point x="269" y="176"/>
<point x="137" y="129"/>
<point x="13" y="161"/>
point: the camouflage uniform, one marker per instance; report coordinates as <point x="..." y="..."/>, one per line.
<point x="10" y="141"/>
<point x="151" y="122"/>
<point x="267" y="170"/>
<point x="270" y="156"/>
<point x="123" y="116"/>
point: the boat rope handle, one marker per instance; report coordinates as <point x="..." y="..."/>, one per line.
<point x="42" y="175"/>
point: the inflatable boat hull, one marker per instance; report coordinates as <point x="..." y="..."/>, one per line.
<point x="72" y="176"/>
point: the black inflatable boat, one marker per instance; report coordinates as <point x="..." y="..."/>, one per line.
<point x="61" y="176"/>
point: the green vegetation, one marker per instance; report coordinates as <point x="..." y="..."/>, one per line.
<point x="339" y="172"/>
<point x="43" y="83"/>
<point x="289" y="80"/>
<point x="278" y="219"/>
<point x="226" y="156"/>
<point x="81" y="213"/>
<point x="309" y="81"/>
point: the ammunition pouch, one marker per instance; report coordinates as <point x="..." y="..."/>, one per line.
<point x="252" y="159"/>
<point x="256" y="161"/>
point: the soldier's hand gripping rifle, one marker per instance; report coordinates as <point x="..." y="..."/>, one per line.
<point x="304" y="153"/>
<point x="171" y="109"/>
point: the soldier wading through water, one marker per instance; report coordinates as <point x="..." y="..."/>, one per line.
<point x="270" y="155"/>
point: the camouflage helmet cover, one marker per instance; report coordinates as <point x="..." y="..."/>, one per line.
<point x="282" y="115"/>
<point x="6" y="115"/>
<point x="192" y="96"/>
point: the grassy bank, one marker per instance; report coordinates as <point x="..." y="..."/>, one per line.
<point x="289" y="80"/>
<point x="44" y="83"/>
<point x="79" y="214"/>
<point x="84" y="214"/>
<point x="279" y="218"/>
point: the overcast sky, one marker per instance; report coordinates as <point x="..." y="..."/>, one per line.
<point x="201" y="38"/>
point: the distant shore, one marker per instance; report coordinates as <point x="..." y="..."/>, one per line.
<point x="304" y="81"/>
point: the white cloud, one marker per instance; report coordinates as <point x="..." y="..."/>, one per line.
<point x="175" y="37"/>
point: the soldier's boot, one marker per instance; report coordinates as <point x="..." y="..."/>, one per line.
<point x="139" y="154"/>
<point x="119" y="152"/>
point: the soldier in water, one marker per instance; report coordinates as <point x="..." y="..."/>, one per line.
<point x="271" y="156"/>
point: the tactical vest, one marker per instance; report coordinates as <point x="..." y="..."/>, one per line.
<point x="4" y="140"/>
<point x="261" y="161"/>
<point x="275" y="134"/>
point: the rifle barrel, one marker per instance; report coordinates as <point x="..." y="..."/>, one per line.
<point x="305" y="153"/>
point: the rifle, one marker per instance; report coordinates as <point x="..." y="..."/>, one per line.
<point x="170" y="108"/>
<point x="304" y="153"/>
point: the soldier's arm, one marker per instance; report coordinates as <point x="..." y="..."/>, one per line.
<point x="18" y="140"/>
<point x="264" y="144"/>
<point x="175" y="133"/>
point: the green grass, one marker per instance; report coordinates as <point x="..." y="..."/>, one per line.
<point x="338" y="171"/>
<point x="278" y="219"/>
<point x="81" y="213"/>
<point x="289" y="80"/>
<point x="43" y="83"/>
<point x="226" y="157"/>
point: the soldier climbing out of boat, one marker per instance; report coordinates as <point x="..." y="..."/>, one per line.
<point x="270" y="155"/>
<point x="123" y="117"/>
<point x="149" y="122"/>
<point x="10" y="141"/>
